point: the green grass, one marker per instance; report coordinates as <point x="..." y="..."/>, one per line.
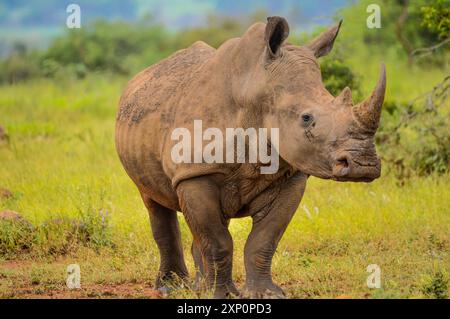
<point x="66" y="179"/>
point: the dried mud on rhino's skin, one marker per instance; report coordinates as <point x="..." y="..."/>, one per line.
<point x="162" y="81"/>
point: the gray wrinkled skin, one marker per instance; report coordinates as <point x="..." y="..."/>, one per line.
<point x="256" y="80"/>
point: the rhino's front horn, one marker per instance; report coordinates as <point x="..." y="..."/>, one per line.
<point x="368" y="112"/>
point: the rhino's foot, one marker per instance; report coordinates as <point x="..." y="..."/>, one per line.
<point x="226" y="291"/>
<point x="201" y="286"/>
<point x="199" y="281"/>
<point x="169" y="282"/>
<point x="263" y="290"/>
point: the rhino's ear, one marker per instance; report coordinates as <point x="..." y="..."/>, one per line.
<point x="323" y="44"/>
<point x="277" y="30"/>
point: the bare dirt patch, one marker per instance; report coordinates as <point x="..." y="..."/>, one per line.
<point x="16" y="283"/>
<point x="88" y="291"/>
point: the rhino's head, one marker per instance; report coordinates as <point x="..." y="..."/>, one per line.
<point x="321" y="135"/>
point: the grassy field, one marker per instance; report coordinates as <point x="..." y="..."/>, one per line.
<point x="65" y="178"/>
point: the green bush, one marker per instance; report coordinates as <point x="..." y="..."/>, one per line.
<point x="337" y="75"/>
<point x="95" y="230"/>
<point x="19" y="67"/>
<point x="436" y="18"/>
<point x="16" y="236"/>
<point x="56" y="236"/>
<point x="436" y="286"/>
<point x="106" y="46"/>
<point x="414" y="138"/>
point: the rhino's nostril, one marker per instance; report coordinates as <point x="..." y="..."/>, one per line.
<point x="342" y="167"/>
<point x="343" y="162"/>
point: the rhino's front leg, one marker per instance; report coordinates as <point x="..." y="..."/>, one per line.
<point x="200" y="202"/>
<point x="198" y="261"/>
<point x="268" y="227"/>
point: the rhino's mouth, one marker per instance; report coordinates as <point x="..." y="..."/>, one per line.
<point x="357" y="169"/>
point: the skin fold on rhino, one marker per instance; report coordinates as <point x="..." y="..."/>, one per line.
<point x="255" y="81"/>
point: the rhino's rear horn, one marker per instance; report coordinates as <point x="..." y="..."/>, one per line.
<point x="368" y="112"/>
<point x="344" y="98"/>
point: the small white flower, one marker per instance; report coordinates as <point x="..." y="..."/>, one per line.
<point x="308" y="214"/>
<point x="316" y="210"/>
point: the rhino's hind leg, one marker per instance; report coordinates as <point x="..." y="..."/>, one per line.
<point x="267" y="230"/>
<point x="166" y="232"/>
<point x="200" y="203"/>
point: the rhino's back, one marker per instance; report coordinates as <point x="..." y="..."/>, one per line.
<point x="146" y="113"/>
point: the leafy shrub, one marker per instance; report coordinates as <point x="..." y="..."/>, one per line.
<point x="16" y="236"/>
<point x="434" y="155"/>
<point x="57" y="236"/>
<point x="415" y="137"/>
<point x="337" y="75"/>
<point x="436" y="18"/>
<point x="19" y="67"/>
<point x="436" y="286"/>
<point x="95" y="231"/>
<point x="104" y="46"/>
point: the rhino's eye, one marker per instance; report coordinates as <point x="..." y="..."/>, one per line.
<point x="307" y="119"/>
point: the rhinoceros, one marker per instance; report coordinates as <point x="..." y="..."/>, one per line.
<point x="257" y="80"/>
